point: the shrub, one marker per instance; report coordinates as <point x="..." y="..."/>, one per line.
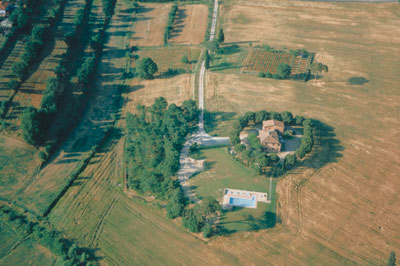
<point x="32" y="125"/>
<point x="391" y="260"/>
<point x="261" y="75"/>
<point x="207" y="230"/>
<point x="283" y="71"/>
<point x="184" y="59"/>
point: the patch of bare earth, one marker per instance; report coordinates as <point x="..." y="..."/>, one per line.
<point x="190" y="25"/>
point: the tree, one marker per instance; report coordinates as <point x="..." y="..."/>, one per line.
<point x="261" y="116"/>
<point x="206" y="60"/>
<point x="72" y="252"/>
<point x="283" y="71"/>
<point x="31" y="125"/>
<point x="209" y="207"/>
<point x="207" y="230"/>
<point x="391" y="260"/>
<point x="184" y="59"/>
<point x="221" y="36"/>
<point x="146" y="68"/>
<point x="20" y="69"/>
<point x="176" y="204"/>
<point x="299" y="120"/>
<point x="318" y="68"/>
<point x="287" y="117"/>
<point x="192" y="220"/>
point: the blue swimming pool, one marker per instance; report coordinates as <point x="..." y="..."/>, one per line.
<point x="240" y="202"/>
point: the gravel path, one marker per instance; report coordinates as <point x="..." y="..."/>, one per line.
<point x="190" y="166"/>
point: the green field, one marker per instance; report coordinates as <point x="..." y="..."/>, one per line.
<point x="222" y="171"/>
<point x="14" y="249"/>
<point x="17" y="160"/>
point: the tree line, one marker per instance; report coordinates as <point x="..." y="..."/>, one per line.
<point x="35" y="122"/>
<point x="171" y="19"/>
<point x="254" y="156"/>
<point x="58" y="97"/>
<point x="34" y="46"/>
<point x="67" y="252"/>
<point x="22" y="18"/>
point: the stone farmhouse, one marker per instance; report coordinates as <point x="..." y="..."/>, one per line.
<point x="269" y="135"/>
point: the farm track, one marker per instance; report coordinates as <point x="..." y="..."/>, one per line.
<point x="189" y="166"/>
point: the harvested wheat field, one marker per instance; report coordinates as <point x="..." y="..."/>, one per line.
<point x="149" y="24"/>
<point x="190" y="25"/>
<point x="344" y="207"/>
<point x="174" y="89"/>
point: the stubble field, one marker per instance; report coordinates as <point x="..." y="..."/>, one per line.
<point x="339" y="208"/>
<point x="344" y="207"/>
<point x="190" y="25"/>
<point x="149" y="26"/>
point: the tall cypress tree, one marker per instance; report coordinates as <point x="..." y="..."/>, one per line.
<point x="207" y="59"/>
<point x="221" y="36"/>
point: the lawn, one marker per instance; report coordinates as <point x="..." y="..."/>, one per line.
<point x="222" y="171"/>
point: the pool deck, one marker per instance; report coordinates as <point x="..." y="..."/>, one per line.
<point x="243" y="194"/>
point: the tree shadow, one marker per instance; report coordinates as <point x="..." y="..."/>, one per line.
<point x="268" y="221"/>
<point x="225" y="66"/>
<point x="326" y="149"/>
<point x="211" y="119"/>
<point x="229" y="50"/>
<point x="357" y="81"/>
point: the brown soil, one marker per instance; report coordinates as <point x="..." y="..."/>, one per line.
<point x="190" y="25"/>
<point x="149" y="25"/>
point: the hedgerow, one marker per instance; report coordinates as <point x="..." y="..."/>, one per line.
<point x="171" y="18"/>
<point x="67" y="252"/>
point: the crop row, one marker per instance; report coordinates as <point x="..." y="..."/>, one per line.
<point x="260" y="60"/>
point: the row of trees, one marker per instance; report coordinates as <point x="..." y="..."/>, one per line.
<point x="254" y="155"/>
<point x="171" y="19"/>
<point x="21" y="18"/>
<point x="35" y="122"/>
<point x="282" y="72"/>
<point x="31" y="53"/>
<point x="67" y="252"/>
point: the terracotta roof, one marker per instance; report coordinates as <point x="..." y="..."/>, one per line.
<point x="4" y="5"/>
<point x="272" y="122"/>
<point x="269" y="137"/>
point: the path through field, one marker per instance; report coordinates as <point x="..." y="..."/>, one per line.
<point x="190" y="166"/>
